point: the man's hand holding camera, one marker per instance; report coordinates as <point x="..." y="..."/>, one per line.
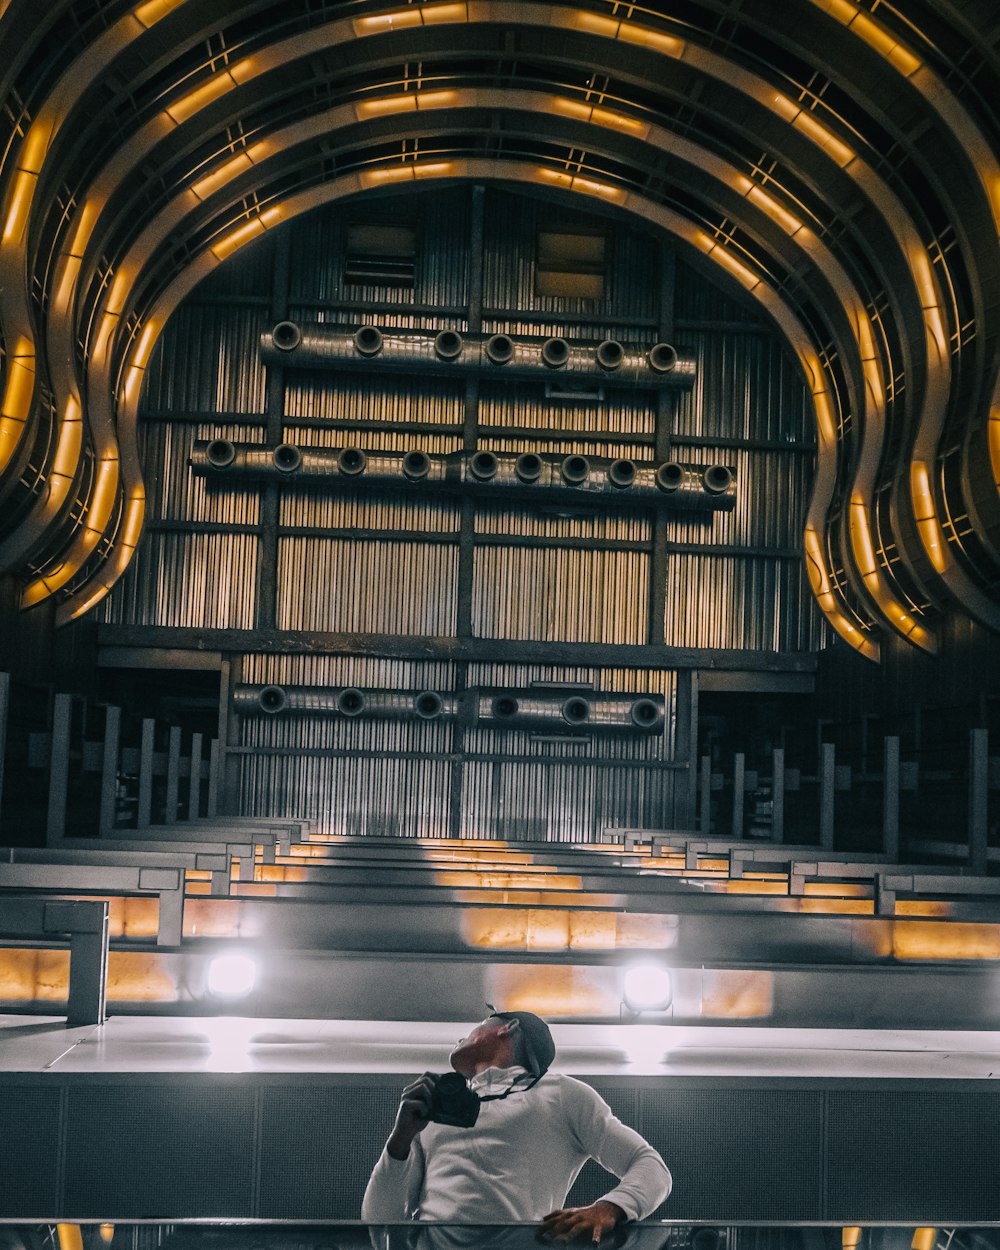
<point x="413" y="1116"/>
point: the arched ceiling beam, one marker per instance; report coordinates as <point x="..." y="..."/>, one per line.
<point x="799" y="119"/>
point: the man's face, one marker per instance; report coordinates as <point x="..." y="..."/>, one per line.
<point x="483" y="1047"/>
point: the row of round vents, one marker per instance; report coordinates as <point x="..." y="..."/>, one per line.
<point x="484" y="466"/>
<point x="499" y="348"/>
<point x="428" y="705"/>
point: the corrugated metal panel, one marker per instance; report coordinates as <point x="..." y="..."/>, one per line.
<point x="359" y="511"/>
<point x="526" y="406"/>
<point x="396" y="588"/>
<point x="208" y="361"/>
<point x="347" y="670"/>
<point x="373" y="795"/>
<point x="560" y="803"/>
<point x="194" y="581"/>
<point x="573" y="596"/>
<point x="173" y="492"/>
<point x="632" y="528"/>
<point x="363" y="396"/>
<point x="762" y="477"/>
<point x="747" y="386"/>
<point x="726" y="601"/>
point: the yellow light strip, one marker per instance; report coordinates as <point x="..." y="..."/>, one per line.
<point x="925" y="513"/>
<point x="153" y="11"/>
<point x="133" y="377"/>
<point x="211" y="89"/>
<point x="580" y="110"/>
<point x="16" y="406"/>
<point x="885" y="44"/>
<point x="814" y="129"/>
<point x="994" y="442"/>
<point x="231" y="169"/>
<point x="576" y="182"/>
<point x="859" y="524"/>
<point x="404" y="173"/>
<point x="408" y="102"/>
<point x="627" y="32"/>
<point x="769" y="205"/>
<point x="716" y="249"/>
<point x="400" y="19"/>
<point x="246" y="233"/>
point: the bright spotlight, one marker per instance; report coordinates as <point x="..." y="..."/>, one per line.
<point x="231" y="976"/>
<point x="647" y="987"/>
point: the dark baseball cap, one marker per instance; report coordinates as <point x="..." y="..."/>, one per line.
<point x="537" y="1045"/>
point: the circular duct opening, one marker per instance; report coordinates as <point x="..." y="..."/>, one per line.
<point x="662" y="358"/>
<point x="352" y="461"/>
<point x="350" y="702"/>
<point x="555" y="353"/>
<point x="287" y="458"/>
<point x="272" y="699"/>
<point x="368" y="340"/>
<point x="644" y="713"/>
<point x="622" y="473"/>
<point x="484" y="465"/>
<point x="416" y="464"/>
<point x="448" y="344"/>
<point x="504" y="706"/>
<point x="528" y="467"/>
<point x="610" y="354"/>
<point x="286" y="336"/>
<point x="500" y="349"/>
<point x="575" y="470"/>
<point x="576" y="711"/>
<point x="669" y="476"/>
<point x="717" y="479"/>
<point x="428" y="704"/>
<point x="220" y="453"/>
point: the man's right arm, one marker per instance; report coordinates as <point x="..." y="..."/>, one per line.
<point x="394" y="1186"/>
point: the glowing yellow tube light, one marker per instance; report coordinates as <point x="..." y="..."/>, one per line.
<point x="246" y="233"/>
<point x="819" y="580"/>
<point x="69" y="1235"/>
<point x="408" y="102"/>
<point x="768" y="204"/>
<point x="717" y="251"/>
<point x="611" y="119"/>
<point x="814" y="129"/>
<point x="885" y="44"/>
<point x="864" y="558"/>
<point x="229" y="170"/>
<point x="400" y="19"/>
<point x="575" y="182"/>
<point x="993" y="433"/>
<point x="924" y="1239"/>
<point x="929" y="939"/>
<point x="133" y="378"/>
<point x="107" y="1233"/>
<point x="131" y="527"/>
<point x="627" y="32"/>
<point x="212" y="89"/>
<point x="16" y="406"/>
<point x="404" y="173"/>
<point x="925" y="513"/>
<point x="554" y="929"/>
<point x="153" y="11"/>
<point x="17" y="216"/>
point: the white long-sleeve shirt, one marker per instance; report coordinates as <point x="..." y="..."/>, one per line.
<point x="518" y="1162"/>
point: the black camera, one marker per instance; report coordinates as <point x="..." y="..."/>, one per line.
<point x="452" y="1102"/>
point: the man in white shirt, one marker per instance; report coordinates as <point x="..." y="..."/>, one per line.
<point x="518" y="1162"/>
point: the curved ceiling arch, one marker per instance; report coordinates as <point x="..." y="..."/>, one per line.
<point x="909" y="530"/>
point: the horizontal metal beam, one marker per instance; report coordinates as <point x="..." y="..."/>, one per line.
<point x="471" y="650"/>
